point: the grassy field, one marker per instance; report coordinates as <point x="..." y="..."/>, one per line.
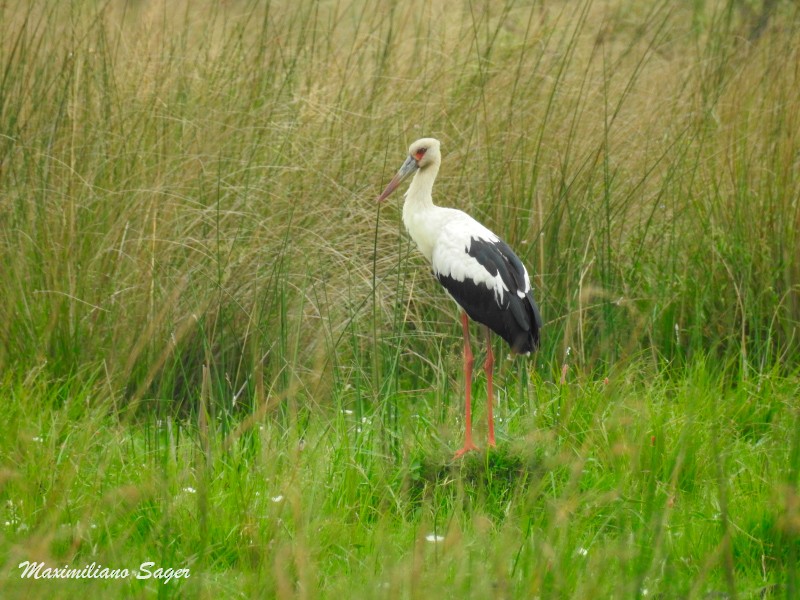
<point x="217" y="353"/>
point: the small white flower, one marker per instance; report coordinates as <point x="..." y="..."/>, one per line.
<point x="190" y="490"/>
<point x="278" y="498"/>
<point x="36" y="438"/>
<point x="433" y="538"/>
<point x="347" y="411"/>
<point x="583" y="551"/>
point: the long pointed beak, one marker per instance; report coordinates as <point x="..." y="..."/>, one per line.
<point x="408" y="167"/>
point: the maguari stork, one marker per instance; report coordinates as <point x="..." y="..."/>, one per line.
<point x="476" y="267"/>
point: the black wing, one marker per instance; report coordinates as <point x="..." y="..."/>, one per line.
<point x="508" y="310"/>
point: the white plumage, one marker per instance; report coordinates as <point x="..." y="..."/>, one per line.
<point x="473" y="264"/>
<point x="451" y="256"/>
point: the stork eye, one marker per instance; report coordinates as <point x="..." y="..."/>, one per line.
<point x="420" y="153"/>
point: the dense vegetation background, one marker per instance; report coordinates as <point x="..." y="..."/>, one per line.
<point x="216" y="351"/>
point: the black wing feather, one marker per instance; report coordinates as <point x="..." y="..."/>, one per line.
<point x="516" y="319"/>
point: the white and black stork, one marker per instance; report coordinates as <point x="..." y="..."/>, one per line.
<point x="476" y="267"/>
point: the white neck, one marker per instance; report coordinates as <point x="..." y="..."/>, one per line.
<point x="420" y="193"/>
<point x="419" y="211"/>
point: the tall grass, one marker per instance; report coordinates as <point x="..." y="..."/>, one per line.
<point x="179" y="183"/>
<point x="194" y="268"/>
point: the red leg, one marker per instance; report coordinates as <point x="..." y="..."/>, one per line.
<point x="468" y="361"/>
<point x="488" y="366"/>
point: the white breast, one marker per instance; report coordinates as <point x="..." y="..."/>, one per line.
<point x="444" y="236"/>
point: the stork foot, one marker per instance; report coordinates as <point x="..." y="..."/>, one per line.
<point x="468" y="447"/>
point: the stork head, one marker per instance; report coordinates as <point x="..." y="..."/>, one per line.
<point x="422" y="154"/>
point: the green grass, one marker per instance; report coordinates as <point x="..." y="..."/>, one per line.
<point x="216" y="351"/>
<point x="643" y="486"/>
